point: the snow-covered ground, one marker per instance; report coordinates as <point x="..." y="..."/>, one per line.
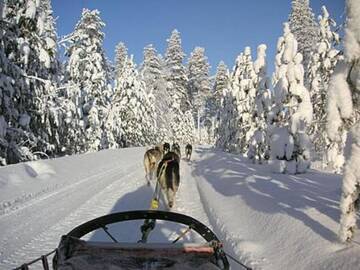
<point x="267" y="221"/>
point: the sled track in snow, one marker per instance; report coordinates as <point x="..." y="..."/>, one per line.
<point x="230" y="240"/>
<point x="90" y="208"/>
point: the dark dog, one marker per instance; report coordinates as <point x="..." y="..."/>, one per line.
<point x="188" y="151"/>
<point x="168" y="176"/>
<point x="176" y="149"/>
<point x="166" y="147"/>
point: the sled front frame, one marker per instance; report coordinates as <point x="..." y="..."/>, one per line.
<point x="194" y="224"/>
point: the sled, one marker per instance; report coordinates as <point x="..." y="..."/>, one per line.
<point x="77" y="254"/>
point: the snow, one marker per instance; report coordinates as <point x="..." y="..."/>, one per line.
<point x="266" y="220"/>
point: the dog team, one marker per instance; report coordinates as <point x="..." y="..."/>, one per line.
<point x="166" y="163"/>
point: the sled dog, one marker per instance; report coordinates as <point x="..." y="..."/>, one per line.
<point x="168" y="176"/>
<point x="151" y="159"/>
<point x="188" y="151"/>
<point x="176" y="149"/>
<point x="166" y="147"/>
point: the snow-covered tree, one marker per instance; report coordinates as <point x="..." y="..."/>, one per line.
<point x="220" y="86"/>
<point x="221" y="83"/>
<point x="31" y="52"/>
<point x="344" y="103"/>
<point x="259" y="142"/>
<point x="132" y="107"/>
<point x="183" y="127"/>
<point x="304" y="27"/>
<point x="198" y="84"/>
<point x="243" y="83"/>
<point x="87" y="77"/>
<point x="321" y="66"/>
<point x="292" y="112"/>
<point x="175" y="72"/>
<point x="152" y="74"/>
<point x="120" y="58"/>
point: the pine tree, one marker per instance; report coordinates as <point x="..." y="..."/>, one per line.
<point x="175" y="73"/>
<point x="221" y="83"/>
<point x="227" y="129"/>
<point x="33" y="53"/>
<point x="87" y="77"/>
<point x="152" y="74"/>
<point x="343" y="109"/>
<point x="198" y="84"/>
<point x="304" y="27"/>
<point x="132" y="107"/>
<point x="219" y="88"/>
<point x="322" y="65"/>
<point x="259" y="142"/>
<point x="243" y="86"/>
<point x="292" y="111"/>
<point x="120" y="58"/>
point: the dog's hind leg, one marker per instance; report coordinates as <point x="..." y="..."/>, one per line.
<point x="170" y="194"/>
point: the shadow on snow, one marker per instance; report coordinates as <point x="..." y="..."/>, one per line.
<point x="268" y="192"/>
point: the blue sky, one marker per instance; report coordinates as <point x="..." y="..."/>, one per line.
<point x="223" y="27"/>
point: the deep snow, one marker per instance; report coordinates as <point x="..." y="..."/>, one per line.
<point x="266" y="220"/>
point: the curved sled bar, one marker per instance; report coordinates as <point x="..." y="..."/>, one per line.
<point x="101" y="222"/>
<point x="197" y="226"/>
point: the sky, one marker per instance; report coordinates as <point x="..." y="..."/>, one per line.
<point x="224" y="28"/>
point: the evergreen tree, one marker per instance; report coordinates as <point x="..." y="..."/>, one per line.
<point x="243" y="86"/>
<point x="221" y="83"/>
<point x="304" y="27"/>
<point x="132" y="107"/>
<point x="227" y="129"/>
<point x="219" y="88"/>
<point x="198" y="84"/>
<point x="32" y="51"/>
<point x="120" y="58"/>
<point x="175" y="73"/>
<point x="344" y="105"/>
<point x="152" y="74"/>
<point x="87" y="77"/>
<point x="322" y="65"/>
<point x="292" y="111"/>
<point x="259" y="142"/>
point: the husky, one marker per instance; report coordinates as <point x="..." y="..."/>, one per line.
<point x="166" y="147"/>
<point x="151" y="159"/>
<point x="168" y="176"/>
<point x="176" y="149"/>
<point x="188" y="151"/>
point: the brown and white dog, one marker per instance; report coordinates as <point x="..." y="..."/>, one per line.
<point x="151" y="160"/>
<point x="168" y="175"/>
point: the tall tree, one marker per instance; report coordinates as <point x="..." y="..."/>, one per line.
<point x="33" y="53"/>
<point x="221" y="83"/>
<point x="120" y="58"/>
<point x="344" y="106"/>
<point x="243" y="86"/>
<point x="176" y="73"/>
<point x="292" y="112"/>
<point x="152" y="74"/>
<point x="132" y="107"/>
<point x="304" y="27"/>
<point x="87" y="77"/>
<point x="198" y="84"/>
<point x="322" y="65"/>
<point x="259" y="142"/>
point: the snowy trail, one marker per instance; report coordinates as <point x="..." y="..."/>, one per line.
<point x="37" y="224"/>
<point x="267" y="221"/>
